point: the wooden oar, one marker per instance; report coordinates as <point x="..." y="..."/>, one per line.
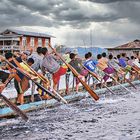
<point x="97" y="77"/>
<point x="90" y="91"/>
<point x="27" y="75"/>
<point x="118" y="83"/>
<point x="45" y="80"/>
<point x="128" y="81"/>
<point x="136" y="69"/>
<point x="12" y="105"/>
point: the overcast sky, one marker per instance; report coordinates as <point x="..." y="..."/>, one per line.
<point x="100" y="23"/>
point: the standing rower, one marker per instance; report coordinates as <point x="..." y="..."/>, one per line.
<point x="103" y="65"/>
<point x="91" y="65"/>
<point x="50" y="64"/>
<point x="76" y="64"/>
<point x="20" y="81"/>
<point x="4" y="75"/>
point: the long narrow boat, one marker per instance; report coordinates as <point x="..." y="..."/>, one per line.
<point x="7" y="112"/>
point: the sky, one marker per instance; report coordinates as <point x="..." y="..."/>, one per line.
<point x="97" y="23"/>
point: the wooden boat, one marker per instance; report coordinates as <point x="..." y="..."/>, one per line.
<point x="7" y="112"/>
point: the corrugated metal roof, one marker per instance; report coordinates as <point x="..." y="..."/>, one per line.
<point x="9" y="36"/>
<point x="134" y="44"/>
<point x="20" y="32"/>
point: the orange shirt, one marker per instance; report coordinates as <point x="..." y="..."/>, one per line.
<point x="102" y="63"/>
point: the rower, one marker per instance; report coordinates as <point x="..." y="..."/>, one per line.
<point x="76" y="64"/>
<point x="91" y="64"/>
<point x="103" y="66"/>
<point x="51" y="65"/>
<point x="21" y="83"/>
<point x="67" y="59"/>
<point x="119" y="73"/>
<point x="4" y="75"/>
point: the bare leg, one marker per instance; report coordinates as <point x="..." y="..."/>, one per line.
<point x="94" y="86"/>
<point x="20" y="98"/>
<point x="77" y="87"/>
<point x="55" y="86"/>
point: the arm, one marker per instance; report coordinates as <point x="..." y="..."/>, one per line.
<point x="2" y="86"/>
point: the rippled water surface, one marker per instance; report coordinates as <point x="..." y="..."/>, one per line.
<point x="113" y="117"/>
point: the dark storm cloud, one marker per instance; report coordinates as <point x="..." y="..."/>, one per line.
<point x="59" y="12"/>
<point x="113" y="17"/>
<point x="129" y="10"/>
<point x="50" y="13"/>
<point x="110" y="1"/>
<point x="17" y="15"/>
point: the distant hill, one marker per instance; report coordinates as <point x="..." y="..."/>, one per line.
<point x="82" y="51"/>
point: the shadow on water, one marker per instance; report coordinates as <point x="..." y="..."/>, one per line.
<point x="113" y="117"/>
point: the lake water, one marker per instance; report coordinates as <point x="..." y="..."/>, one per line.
<point x="113" y="117"/>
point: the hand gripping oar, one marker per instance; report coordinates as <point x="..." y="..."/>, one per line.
<point x="136" y="69"/>
<point x="90" y="91"/>
<point x="12" y="105"/>
<point x="44" y="79"/>
<point x="128" y="81"/>
<point x="118" y="83"/>
<point x="40" y="86"/>
<point x="97" y="77"/>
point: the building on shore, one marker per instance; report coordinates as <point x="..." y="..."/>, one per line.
<point x="16" y="40"/>
<point x="131" y="48"/>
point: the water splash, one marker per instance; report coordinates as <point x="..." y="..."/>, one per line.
<point x="113" y="117"/>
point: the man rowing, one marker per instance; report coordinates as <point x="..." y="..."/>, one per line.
<point x="67" y="59"/>
<point x="91" y="65"/>
<point x="119" y="73"/>
<point x="124" y="63"/>
<point x="21" y="83"/>
<point x="50" y="64"/>
<point x="37" y="57"/>
<point x="4" y="75"/>
<point x="76" y="64"/>
<point x="103" y="66"/>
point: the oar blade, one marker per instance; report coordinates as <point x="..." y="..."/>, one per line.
<point x="90" y="91"/>
<point x="14" y="108"/>
<point x="128" y="81"/>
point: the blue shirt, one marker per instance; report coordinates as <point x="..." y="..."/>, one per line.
<point x="91" y="64"/>
<point x="122" y="62"/>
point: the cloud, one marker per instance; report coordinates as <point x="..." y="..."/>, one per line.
<point x="57" y="13"/>
<point x="110" y="1"/>
<point x="112" y="21"/>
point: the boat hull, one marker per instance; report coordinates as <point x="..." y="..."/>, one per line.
<point x="7" y="112"/>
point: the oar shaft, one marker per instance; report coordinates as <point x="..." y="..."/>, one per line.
<point x="97" y="77"/>
<point x="90" y="91"/>
<point x="14" y="108"/>
<point x="118" y="82"/>
<point x="40" y="86"/>
<point x="44" y="79"/>
<point x="12" y="105"/>
<point x="128" y="81"/>
<point x="62" y="99"/>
